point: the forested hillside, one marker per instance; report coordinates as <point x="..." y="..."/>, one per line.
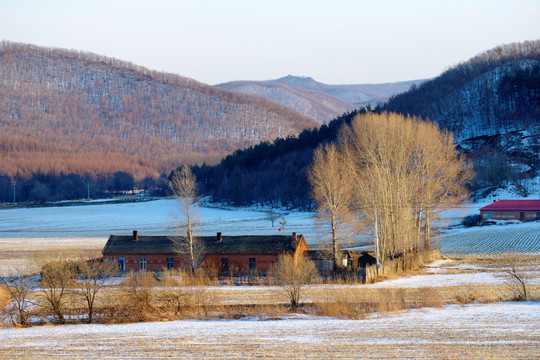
<point x="271" y="173"/>
<point x="64" y="111"/>
<point x="495" y="92"/>
<point x="491" y="103"/>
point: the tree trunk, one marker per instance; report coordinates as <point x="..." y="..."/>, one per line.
<point x="334" y="241"/>
<point x="426" y="233"/>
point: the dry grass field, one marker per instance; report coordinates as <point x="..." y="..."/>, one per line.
<point x="480" y="331"/>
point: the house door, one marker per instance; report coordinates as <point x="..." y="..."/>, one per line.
<point x="538" y="216"/>
<point x="522" y="216"/>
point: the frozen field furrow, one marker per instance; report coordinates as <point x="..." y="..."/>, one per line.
<point x="518" y="238"/>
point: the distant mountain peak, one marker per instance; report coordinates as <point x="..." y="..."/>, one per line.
<point x="301" y="81"/>
<point x="296" y="77"/>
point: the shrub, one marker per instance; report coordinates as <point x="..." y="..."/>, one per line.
<point x="470" y="220"/>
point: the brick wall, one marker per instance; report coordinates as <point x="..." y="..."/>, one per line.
<point x="158" y="262"/>
<point x="509" y="215"/>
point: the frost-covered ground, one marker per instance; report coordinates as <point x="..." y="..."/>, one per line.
<point x="87" y="227"/>
<point x="480" y="331"/>
<point x="495" y="239"/>
<point x="152" y="217"/>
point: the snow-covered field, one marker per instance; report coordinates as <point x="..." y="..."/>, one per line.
<point x="87" y="227"/>
<point x="152" y="218"/>
<point x="480" y="331"/>
<point x="496" y="239"/>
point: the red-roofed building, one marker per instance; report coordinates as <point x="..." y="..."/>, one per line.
<point x="523" y="210"/>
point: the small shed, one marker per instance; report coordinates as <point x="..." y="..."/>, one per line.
<point x="522" y="210"/>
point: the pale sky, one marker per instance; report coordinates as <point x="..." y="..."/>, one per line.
<point x="333" y="41"/>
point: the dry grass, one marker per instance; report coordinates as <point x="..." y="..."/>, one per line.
<point x="496" y="260"/>
<point x="4" y="298"/>
<point x="463" y="333"/>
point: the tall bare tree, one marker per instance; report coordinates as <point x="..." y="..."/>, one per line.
<point x="183" y="185"/>
<point x="331" y="182"/>
<point x="405" y="170"/>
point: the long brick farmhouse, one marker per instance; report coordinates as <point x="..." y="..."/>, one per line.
<point x="523" y="210"/>
<point x="227" y="253"/>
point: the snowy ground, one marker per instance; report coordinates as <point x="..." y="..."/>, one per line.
<point x="495" y="239"/>
<point x="480" y="331"/>
<point x="152" y="218"/>
<point x="86" y="228"/>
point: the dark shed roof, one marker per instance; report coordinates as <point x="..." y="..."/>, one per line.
<point x="247" y="244"/>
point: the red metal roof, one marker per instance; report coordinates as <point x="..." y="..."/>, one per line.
<point x="513" y="205"/>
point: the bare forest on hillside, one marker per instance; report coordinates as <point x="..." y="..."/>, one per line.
<point x="65" y="112"/>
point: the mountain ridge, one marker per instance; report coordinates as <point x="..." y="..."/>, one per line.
<point x="320" y="101"/>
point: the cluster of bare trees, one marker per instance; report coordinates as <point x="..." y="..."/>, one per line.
<point x="397" y="172"/>
<point x="61" y="286"/>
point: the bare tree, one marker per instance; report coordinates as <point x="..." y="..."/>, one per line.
<point x="293" y="274"/>
<point x="405" y="170"/>
<point x="183" y="185"/>
<point x="92" y="275"/>
<point x="19" y="287"/>
<point x="331" y="181"/>
<point x="272" y="215"/>
<point x="56" y="279"/>
<point x="517" y="277"/>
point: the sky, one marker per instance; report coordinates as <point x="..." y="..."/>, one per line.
<point x="334" y="42"/>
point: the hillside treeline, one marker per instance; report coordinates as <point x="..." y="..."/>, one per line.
<point x="64" y="111"/>
<point x="498" y="90"/>
<point x="269" y="173"/>
<point x="45" y="188"/>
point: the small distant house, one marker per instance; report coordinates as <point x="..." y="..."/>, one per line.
<point x="523" y="210"/>
<point x="247" y="253"/>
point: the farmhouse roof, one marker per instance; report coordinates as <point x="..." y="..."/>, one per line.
<point x="513" y="205"/>
<point x="246" y="244"/>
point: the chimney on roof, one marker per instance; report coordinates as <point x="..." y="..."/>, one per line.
<point x="135" y="235"/>
<point x="219" y="237"/>
<point x="294" y="237"/>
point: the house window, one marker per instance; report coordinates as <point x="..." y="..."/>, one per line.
<point x="142" y="264"/>
<point x="224" y="264"/>
<point x="121" y="264"/>
<point x="252" y="264"/>
<point x="170" y="263"/>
